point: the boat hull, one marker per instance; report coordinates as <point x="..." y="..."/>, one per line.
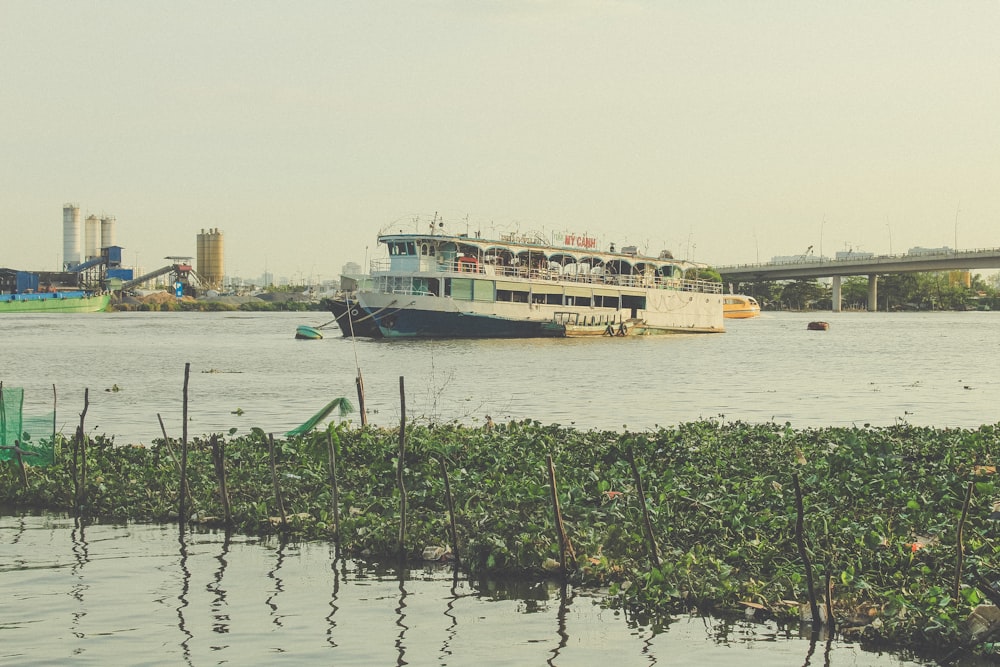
<point x="414" y="323"/>
<point x="305" y="332"/>
<point x="54" y="303"/>
<point x="351" y="319"/>
<point x="421" y="316"/>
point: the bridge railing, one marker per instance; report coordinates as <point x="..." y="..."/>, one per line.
<point x="820" y="261"/>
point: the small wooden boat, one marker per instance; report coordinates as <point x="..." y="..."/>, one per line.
<point x="574" y="325"/>
<point x="818" y="326"/>
<point x="306" y="332"/>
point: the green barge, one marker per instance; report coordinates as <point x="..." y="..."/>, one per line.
<point x="54" y="302"/>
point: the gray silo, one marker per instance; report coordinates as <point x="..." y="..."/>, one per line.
<point x="71" y="236"/>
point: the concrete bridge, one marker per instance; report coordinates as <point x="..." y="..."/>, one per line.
<point x="822" y="267"/>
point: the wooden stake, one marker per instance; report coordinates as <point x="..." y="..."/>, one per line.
<point x="400" y="462"/>
<point x="20" y="461"/>
<point x="55" y="402"/>
<point x="182" y="513"/>
<point x="565" y="546"/>
<point x="274" y="480"/>
<point x="451" y="509"/>
<point x="335" y="497"/>
<point x="960" y="556"/>
<point x="173" y="457"/>
<point x="830" y="621"/>
<point x="800" y="540"/>
<point x="219" y="459"/>
<point x="653" y="553"/>
<point x="359" y="381"/>
<point x="81" y="450"/>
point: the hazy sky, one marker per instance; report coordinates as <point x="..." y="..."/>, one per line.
<point x="724" y="131"/>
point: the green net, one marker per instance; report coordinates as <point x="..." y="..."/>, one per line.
<point x="34" y="434"/>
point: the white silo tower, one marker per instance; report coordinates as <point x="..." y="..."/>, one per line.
<point x="71" y="235"/>
<point x="107" y="231"/>
<point x="91" y="237"/>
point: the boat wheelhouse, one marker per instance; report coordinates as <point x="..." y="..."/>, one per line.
<point x="438" y="285"/>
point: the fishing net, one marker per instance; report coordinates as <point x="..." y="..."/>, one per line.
<point x="32" y="433"/>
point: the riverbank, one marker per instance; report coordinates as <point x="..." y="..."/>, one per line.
<point x="881" y="514"/>
<point x="159" y="301"/>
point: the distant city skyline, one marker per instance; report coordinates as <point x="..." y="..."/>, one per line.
<point x="725" y="132"/>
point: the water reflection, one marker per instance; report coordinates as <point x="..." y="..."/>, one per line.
<point x="564" y="601"/>
<point x="812" y="649"/>
<point x="183" y="597"/>
<point x="401" y="620"/>
<point x="323" y="609"/>
<point x="273" y="574"/>
<point x="81" y="556"/>
<point x="451" y="631"/>
<point x="330" y="620"/>
<point x="220" y="619"/>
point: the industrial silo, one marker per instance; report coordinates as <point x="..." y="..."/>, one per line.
<point x="71" y="236"/>
<point x="91" y="237"/>
<point x="209" y="261"/>
<point x="108" y="231"/>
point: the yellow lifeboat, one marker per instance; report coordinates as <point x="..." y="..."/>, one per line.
<point x="738" y="306"/>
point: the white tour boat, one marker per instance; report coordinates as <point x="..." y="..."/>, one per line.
<point x="440" y="285"/>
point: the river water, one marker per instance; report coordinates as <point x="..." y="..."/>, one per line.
<point x="936" y="369"/>
<point x="140" y="594"/>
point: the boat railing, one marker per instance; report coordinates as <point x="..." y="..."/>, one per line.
<point x="534" y="274"/>
<point x="412" y="292"/>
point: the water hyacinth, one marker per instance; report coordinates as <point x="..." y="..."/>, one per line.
<point x="880" y="521"/>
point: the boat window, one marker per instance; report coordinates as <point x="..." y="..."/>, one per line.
<point x="397" y="248"/>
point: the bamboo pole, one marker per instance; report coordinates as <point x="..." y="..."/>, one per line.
<point x="274" y="481"/>
<point x="653" y="553"/>
<point x="360" y="383"/>
<point x="800" y="540"/>
<point x="830" y="621"/>
<point x="565" y="546"/>
<point x="20" y="461"/>
<point x="960" y="556"/>
<point x="55" y="402"/>
<point x="451" y="510"/>
<point x="182" y="512"/>
<point x="173" y="457"/>
<point x="335" y="495"/>
<point x="80" y="452"/>
<point x="400" y="463"/>
<point x="219" y="459"/>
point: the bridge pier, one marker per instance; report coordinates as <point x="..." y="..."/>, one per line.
<point x="872" y="292"/>
<point x="835" y="294"/>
